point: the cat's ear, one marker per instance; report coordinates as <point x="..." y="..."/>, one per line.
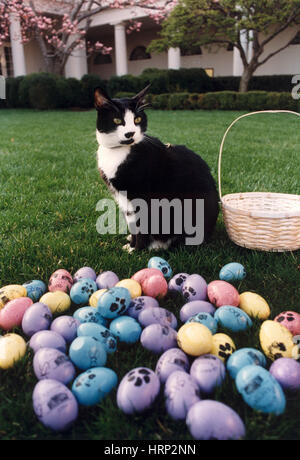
<point x="139" y="99"/>
<point x="101" y="98"/>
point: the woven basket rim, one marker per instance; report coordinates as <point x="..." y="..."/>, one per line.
<point x="281" y="214"/>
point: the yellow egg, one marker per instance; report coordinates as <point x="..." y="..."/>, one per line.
<point x="57" y="301"/>
<point x="276" y="340"/>
<point x="12" y="348"/>
<point x="254" y="305"/>
<point x="93" y="300"/>
<point x="133" y="287"/>
<point x="222" y="346"/>
<point x="195" y="339"/>
<point x="11" y="292"/>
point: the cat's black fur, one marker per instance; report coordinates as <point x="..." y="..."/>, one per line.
<point x="156" y="170"/>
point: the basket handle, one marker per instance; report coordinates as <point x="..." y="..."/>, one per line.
<point x="229" y="128"/>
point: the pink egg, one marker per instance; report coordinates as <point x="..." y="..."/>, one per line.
<point x="155" y="286"/>
<point x="12" y="313"/>
<point x="60" y="280"/>
<point x="222" y="293"/>
<point x="290" y="320"/>
<point x="143" y="274"/>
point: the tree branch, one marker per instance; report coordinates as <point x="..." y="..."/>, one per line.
<point x="275" y="52"/>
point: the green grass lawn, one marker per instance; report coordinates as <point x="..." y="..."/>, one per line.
<point x="49" y="188"/>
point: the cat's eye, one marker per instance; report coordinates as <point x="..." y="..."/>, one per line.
<point x="138" y="120"/>
<point x="117" y="121"/>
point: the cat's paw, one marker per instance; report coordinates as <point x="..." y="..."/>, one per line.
<point x="128" y="248"/>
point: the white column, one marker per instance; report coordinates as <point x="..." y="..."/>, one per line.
<point x="238" y="66"/>
<point x="17" y="47"/>
<point x="174" y="58"/>
<point x="120" y="49"/>
<point x="76" y="65"/>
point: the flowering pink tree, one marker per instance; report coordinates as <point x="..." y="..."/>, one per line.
<point x="61" y="26"/>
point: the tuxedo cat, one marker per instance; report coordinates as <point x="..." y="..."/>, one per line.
<point x="145" y="168"/>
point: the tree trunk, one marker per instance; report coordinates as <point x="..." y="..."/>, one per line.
<point x="245" y="79"/>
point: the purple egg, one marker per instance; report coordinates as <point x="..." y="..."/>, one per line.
<point x="175" y="283"/>
<point x="194" y="288"/>
<point x="107" y="280"/>
<point x="66" y="326"/>
<point x="85" y="272"/>
<point x="194" y="307"/>
<point x="138" y="304"/>
<point x="138" y="390"/>
<point x="210" y="419"/>
<point x="181" y="392"/>
<point x="287" y="372"/>
<point x="209" y="372"/>
<point x="54" y="404"/>
<point x="170" y="361"/>
<point x="158" y="338"/>
<point x="50" y="363"/>
<point x="47" y="339"/>
<point x="36" y="318"/>
<point x="157" y="315"/>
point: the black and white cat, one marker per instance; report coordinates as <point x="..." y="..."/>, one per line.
<point x="145" y="168"/>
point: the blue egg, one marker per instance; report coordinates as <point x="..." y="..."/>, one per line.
<point x="244" y="357"/>
<point x="93" y="385"/>
<point x="206" y="319"/>
<point x="86" y="352"/>
<point x="126" y="328"/>
<point x="114" y="302"/>
<point x="162" y="265"/>
<point x="232" y="318"/>
<point x="35" y="289"/>
<point x="89" y="315"/>
<point x="100" y="333"/>
<point x="260" y="390"/>
<point x="232" y="272"/>
<point x="82" y="290"/>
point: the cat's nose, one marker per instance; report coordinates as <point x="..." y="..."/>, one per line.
<point x="130" y="134"/>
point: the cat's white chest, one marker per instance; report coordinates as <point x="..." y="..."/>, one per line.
<point x="110" y="159"/>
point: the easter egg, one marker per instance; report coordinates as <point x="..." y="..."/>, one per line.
<point x="157" y="315"/>
<point x="106" y="280"/>
<point x="127" y="329"/>
<point x="35" y="289"/>
<point x="287" y="372"/>
<point x="138" y="390"/>
<point x="276" y="341"/>
<point x="66" y="326"/>
<point x="89" y="315"/>
<point x="181" y="392"/>
<point x="12" y="313"/>
<point x="194" y="288"/>
<point x="57" y="301"/>
<point x="222" y="293"/>
<point x="86" y="352"/>
<point x="114" y="302"/>
<point x="232" y="318"/>
<point x="82" y="290"/>
<point x="158" y="338"/>
<point x="138" y="304"/>
<point x="93" y="300"/>
<point x="50" y="363"/>
<point x="233" y="271"/>
<point x="195" y="306"/>
<point x="145" y="273"/>
<point x="195" y="339"/>
<point x="100" y="333"/>
<point x="290" y="320"/>
<point x="209" y="419"/>
<point x="175" y="283"/>
<point x="161" y="264"/>
<point x="155" y="286"/>
<point x="47" y="339"/>
<point x="60" y="280"/>
<point x="12" y="348"/>
<point x="244" y="357"/>
<point x="254" y="305"/>
<point x="209" y="373"/>
<point x="54" y="404"/>
<point x="260" y="390"/>
<point x="85" y="272"/>
<point x="170" y="361"/>
<point x="11" y="292"/>
<point x="133" y="287"/>
<point x="222" y="346"/>
<point x="36" y="318"/>
<point x="206" y="319"/>
<point x="91" y="386"/>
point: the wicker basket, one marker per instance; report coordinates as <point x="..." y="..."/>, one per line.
<point x="258" y="220"/>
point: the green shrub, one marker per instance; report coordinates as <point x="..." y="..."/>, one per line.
<point x="12" y="91"/>
<point x="88" y="85"/>
<point x="125" y="83"/>
<point x="124" y="94"/>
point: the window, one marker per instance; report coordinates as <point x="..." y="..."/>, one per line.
<point x="139" y="53"/>
<point x="210" y="71"/>
<point x="230" y="47"/>
<point x="296" y="40"/>
<point x="102" y="59"/>
<point x="6" y="64"/>
<point x="190" y="51"/>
